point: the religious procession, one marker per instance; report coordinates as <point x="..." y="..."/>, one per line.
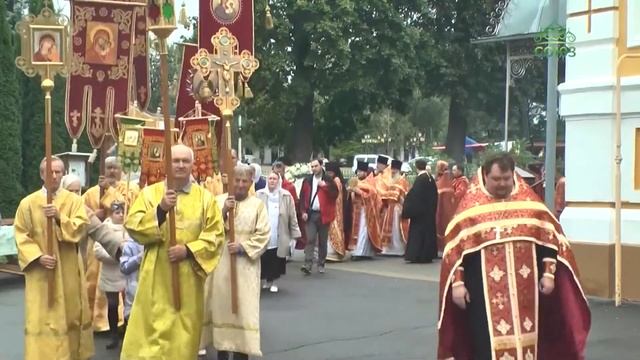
<point x="158" y="207"/>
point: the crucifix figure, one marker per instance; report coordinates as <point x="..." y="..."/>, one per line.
<point x="226" y="63"/>
<point x="223" y="66"/>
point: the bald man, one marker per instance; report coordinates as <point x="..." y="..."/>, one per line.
<point x="156" y="330"/>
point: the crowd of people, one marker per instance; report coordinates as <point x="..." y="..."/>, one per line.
<point x="186" y="265"/>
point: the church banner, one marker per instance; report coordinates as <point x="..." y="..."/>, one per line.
<point x="99" y="78"/>
<point x="152" y="155"/>
<point x="196" y="134"/>
<point x="235" y="15"/>
<point x="141" y="58"/>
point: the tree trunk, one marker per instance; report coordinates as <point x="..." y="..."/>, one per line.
<point x="457" y="129"/>
<point x="302" y="135"/>
<point x="524" y="118"/>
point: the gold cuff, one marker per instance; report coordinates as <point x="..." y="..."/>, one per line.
<point x="550" y="276"/>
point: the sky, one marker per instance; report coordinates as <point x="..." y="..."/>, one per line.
<point x="192" y="10"/>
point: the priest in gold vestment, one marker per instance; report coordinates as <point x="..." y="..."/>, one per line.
<point x="395" y="229"/>
<point x="238" y="333"/>
<point x="64" y="330"/>
<point x="156" y="330"/>
<point x="509" y="286"/>
<point x="99" y="198"/>
<point x="364" y="241"/>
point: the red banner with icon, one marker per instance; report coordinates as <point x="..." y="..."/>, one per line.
<point x="152" y="156"/>
<point x="235" y="15"/>
<point x="99" y="78"/>
<point x="196" y="134"/>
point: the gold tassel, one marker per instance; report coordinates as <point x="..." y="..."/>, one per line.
<point x="268" y="20"/>
<point x="183" y="19"/>
<point x="239" y="88"/>
<point x="248" y="94"/>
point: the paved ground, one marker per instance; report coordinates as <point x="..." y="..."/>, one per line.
<point x="375" y="310"/>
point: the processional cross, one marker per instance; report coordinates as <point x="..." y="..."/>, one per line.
<point x="226" y="64"/>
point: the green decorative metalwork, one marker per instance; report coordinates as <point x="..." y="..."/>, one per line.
<point x="554" y="40"/>
<point x="167" y="11"/>
<point x="130" y="160"/>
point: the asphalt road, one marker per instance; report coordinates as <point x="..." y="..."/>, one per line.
<point x="350" y="314"/>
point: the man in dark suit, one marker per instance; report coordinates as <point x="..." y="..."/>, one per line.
<point x="318" y="209"/>
<point x="420" y="206"/>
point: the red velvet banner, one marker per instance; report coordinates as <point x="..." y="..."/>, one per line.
<point x="141" y="59"/>
<point x="99" y="78"/>
<point x="196" y="134"/>
<point x="235" y="15"/>
<point x="152" y="156"/>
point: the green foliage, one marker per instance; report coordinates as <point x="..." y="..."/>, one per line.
<point x="175" y="57"/>
<point x="518" y="151"/>
<point x="10" y="120"/>
<point x="326" y="65"/>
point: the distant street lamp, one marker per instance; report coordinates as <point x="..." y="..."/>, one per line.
<point x="368" y="141"/>
<point x="418" y="139"/>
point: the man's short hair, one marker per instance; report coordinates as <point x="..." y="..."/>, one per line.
<point x="53" y="159"/>
<point x="319" y="160"/>
<point x="244" y="170"/>
<point x="277" y="165"/>
<point x="421" y="164"/>
<point x="504" y="161"/>
<point x="460" y="167"/>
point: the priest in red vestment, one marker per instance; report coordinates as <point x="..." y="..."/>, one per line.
<point x="446" y="201"/>
<point x="460" y="182"/>
<point x="509" y="286"/>
<point x="559" y="200"/>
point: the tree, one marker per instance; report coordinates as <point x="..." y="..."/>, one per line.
<point x="327" y="65"/>
<point x="11" y="190"/>
<point x="469" y="75"/>
<point x="175" y="58"/>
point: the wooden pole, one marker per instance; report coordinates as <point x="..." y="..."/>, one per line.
<point x="230" y="170"/>
<point x="47" y="86"/>
<point x="168" y="141"/>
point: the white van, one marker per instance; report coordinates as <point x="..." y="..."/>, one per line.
<point x="370" y="159"/>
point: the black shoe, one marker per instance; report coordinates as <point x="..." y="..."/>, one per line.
<point x="305" y="270"/>
<point x="113" y="344"/>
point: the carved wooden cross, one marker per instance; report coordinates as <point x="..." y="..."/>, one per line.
<point x="223" y="66"/>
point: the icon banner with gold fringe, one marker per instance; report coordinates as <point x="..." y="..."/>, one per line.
<point x="101" y="60"/>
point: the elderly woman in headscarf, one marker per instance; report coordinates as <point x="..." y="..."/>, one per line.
<point x="258" y="181"/>
<point x="284" y="228"/>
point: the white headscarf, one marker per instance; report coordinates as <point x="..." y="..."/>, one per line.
<point x="68" y="180"/>
<point x="258" y="172"/>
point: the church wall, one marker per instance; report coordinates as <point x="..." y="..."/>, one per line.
<point x="587" y="106"/>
